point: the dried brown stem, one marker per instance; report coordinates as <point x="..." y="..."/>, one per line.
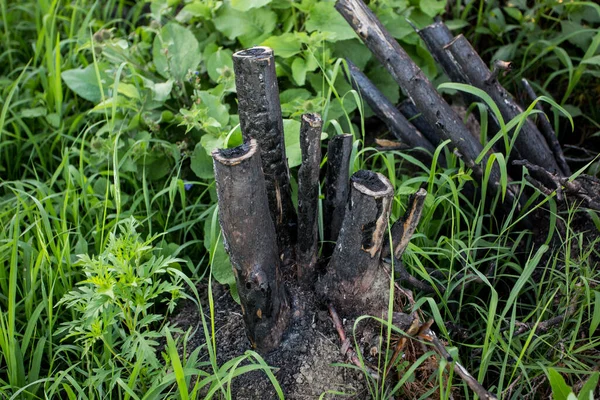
<point x="346" y="348"/>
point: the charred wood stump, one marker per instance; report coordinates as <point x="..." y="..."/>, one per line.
<point x="308" y="197"/>
<point x="435" y="110"/>
<point x="251" y="242"/>
<point x="355" y="282"/>
<point x="529" y="143"/>
<point x="337" y="187"/>
<point x="260" y="118"/>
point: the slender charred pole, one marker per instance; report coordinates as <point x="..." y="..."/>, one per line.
<point x="385" y="110"/>
<point x="548" y="131"/>
<point x="410" y="112"/>
<point x="260" y="118"/>
<point x="435" y="110"/>
<point x="355" y="282"/>
<point x="308" y="196"/>
<point x="250" y="240"/>
<point x="529" y="143"/>
<point x="337" y="186"/>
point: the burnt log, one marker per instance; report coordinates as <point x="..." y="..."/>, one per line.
<point x="308" y="197"/>
<point x="337" y="186"/>
<point x="355" y="282"/>
<point x="250" y="240"/>
<point x="529" y="143"/>
<point x="435" y="110"/>
<point x="436" y="37"/>
<point x="414" y="116"/>
<point x="260" y="118"/>
<point x="385" y="110"/>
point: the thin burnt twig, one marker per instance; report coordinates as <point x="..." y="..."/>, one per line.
<point x="346" y="348"/>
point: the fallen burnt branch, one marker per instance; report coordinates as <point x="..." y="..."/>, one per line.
<point x="548" y="131"/>
<point x="409" y="110"/>
<point x="251" y="242"/>
<point x="411" y="79"/>
<point x="260" y="118"/>
<point x="584" y="187"/>
<point x="308" y="197"/>
<point x="529" y="143"/>
<point x="426" y="334"/>
<point x="385" y="110"/>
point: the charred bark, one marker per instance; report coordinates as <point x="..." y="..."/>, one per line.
<point x="355" y="282"/>
<point x="260" y="118"/>
<point x="336" y="187"/>
<point x="403" y="229"/>
<point x="414" y="116"/>
<point x="308" y="197"/>
<point x="250" y="240"/>
<point x="411" y="79"/>
<point x="437" y="36"/>
<point x="529" y="144"/>
<point x="385" y="110"/>
<point x="548" y="131"/>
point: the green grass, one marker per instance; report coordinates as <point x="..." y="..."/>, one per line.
<point x="74" y="172"/>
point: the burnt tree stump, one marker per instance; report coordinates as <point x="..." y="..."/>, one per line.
<point x="260" y="118"/>
<point x="251" y="242"/>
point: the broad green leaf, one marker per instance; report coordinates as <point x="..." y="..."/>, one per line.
<point x="202" y="163"/>
<point x="385" y="83"/>
<point x="324" y="18"/>
<point x="560" y="389"/>
<point x="245" y="5"/>
<point x="587" y="391"/>
<point x="217" y="61"/>
<point x="582" y="39"/>
<point x="432" y="7"/>
<point x="291" y="131"/>
<point x="211" y="142"/>
<point x="84" y="82"/>
<point x="34" y="112"/>
<point x="176" y="51"/>
<point x="595" y="60"/>
<point x="215" y="109"/>
<point x="354" y="50"/>
<point x="299" y="71"/>
<point x="285" y="45"/>
<point x="197" y="9"/>
<point x="251" y="27"/>
<point x="397" y="26"/>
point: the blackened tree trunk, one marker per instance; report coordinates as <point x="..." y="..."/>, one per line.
<point x="355" y="281"/>
<point x="308" y="197"/>
<point x="250" y="240"/>
<point x="260" y="118"/>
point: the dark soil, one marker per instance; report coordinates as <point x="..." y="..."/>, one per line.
<point x="304" y="360"/>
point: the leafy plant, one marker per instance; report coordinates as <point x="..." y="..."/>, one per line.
<point x="117" y="321"/>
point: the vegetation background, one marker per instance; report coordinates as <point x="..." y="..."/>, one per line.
<point x="109" y="111"/>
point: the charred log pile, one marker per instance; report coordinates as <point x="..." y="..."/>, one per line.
<point x="274" y="249"/>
